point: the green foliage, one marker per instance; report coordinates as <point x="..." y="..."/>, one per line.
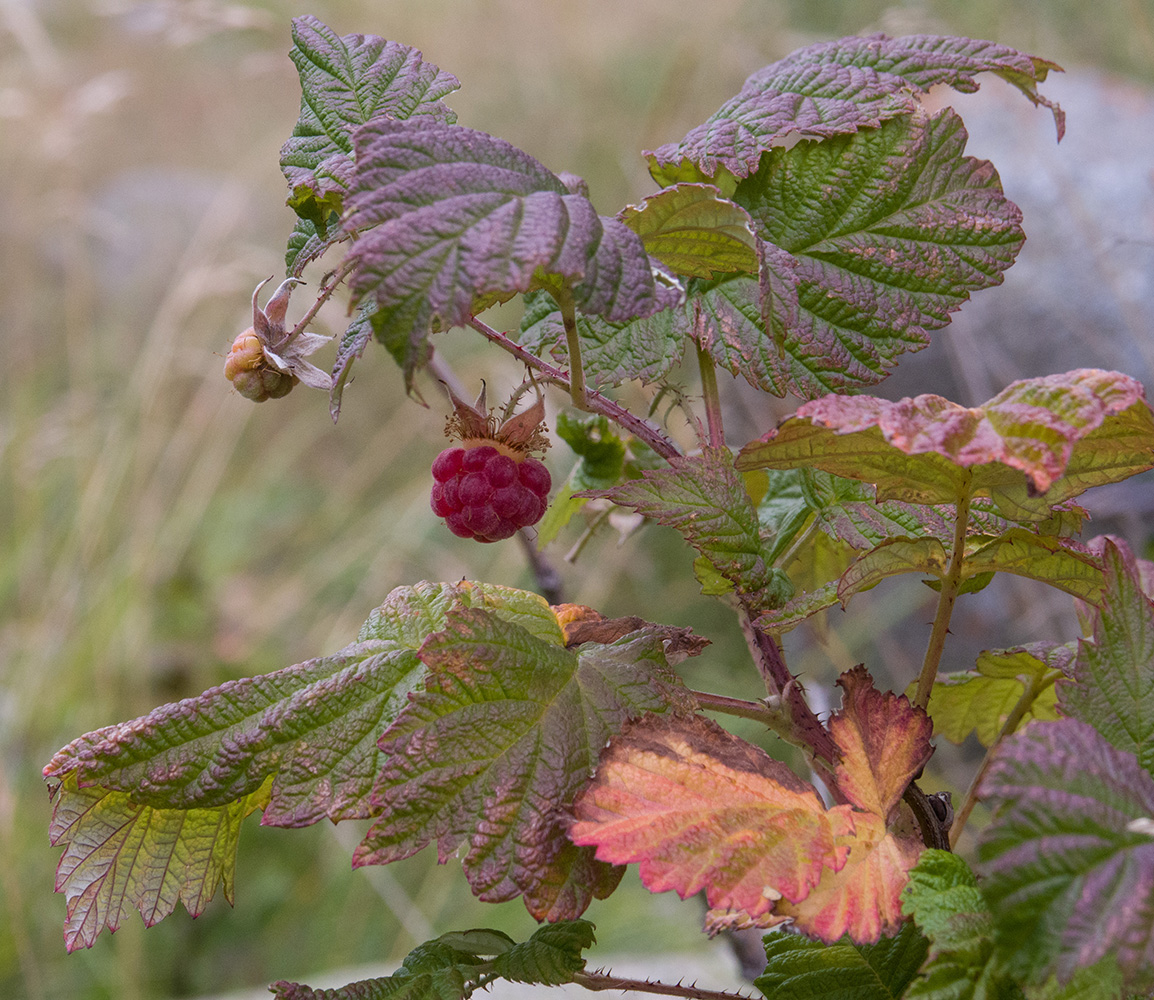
<point x="456" y="964"/>
<point x="547" y="745"/>
<point x="800" y="969"/>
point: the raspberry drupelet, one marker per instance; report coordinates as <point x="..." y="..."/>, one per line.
<point x="489" y="486"/>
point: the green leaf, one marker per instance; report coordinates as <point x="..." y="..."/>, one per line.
<point x="890" y="231"/>
<point x="694" y="232"/>
<point x="1100" y="981"/>
<point x="602" y="451"/>
<point x="119" y="853"/>
<point x="451" y="968"/>
<point x="1067" y="865"/>
<point x="800" y="969"/>
<point x="944" y="900"/>
<point x="1112" y="687"/>
<point x="301" y="743"/>
<point x="495" y="748"/>
<point x="834" y="88"/>
<point x="644" y="348"/>
<point x="345" y="82"/>
<point x="893" y="558"/>
<point x="782" y="511"/>
<point x="480" y="942"/>
<point x="431" y="971"/>
<point x="550" y="956"/>
<point x="1055" y="436"/>
<point x="797" y="609"/>
<point x="304" y="246"/>
<point x="1060" y="562"/>
<point x="602" y="460"/>
<point x="702" y="498"/>
<point x="979" y="700"/>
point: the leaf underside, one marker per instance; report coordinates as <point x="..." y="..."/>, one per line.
<point x="1040" y="441"/>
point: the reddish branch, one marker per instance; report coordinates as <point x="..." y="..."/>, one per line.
<point x="595" y="402"/>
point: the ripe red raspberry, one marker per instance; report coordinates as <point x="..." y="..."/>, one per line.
<point x="490" y="486"/>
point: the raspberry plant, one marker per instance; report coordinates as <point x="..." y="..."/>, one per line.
<point x="549" y="745"/>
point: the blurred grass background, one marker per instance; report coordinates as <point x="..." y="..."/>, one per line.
<point x="160" y="534"/>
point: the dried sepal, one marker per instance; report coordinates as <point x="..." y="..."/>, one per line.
<point x="475" y="424"/>
<point x="266" y="361"/>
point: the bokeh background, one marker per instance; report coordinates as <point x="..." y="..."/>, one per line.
<point x="159" y="534"/>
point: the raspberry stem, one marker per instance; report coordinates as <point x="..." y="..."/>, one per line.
<point x="573" y="344"/>
<point x="594" y="401"/>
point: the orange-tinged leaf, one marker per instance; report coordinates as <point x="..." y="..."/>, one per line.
<point x="884" y="739"/>
<point x="697" y="808"/>
<point x="862" y="900"/>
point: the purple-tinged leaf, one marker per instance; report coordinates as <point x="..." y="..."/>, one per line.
<point x="878" y="237"/>
<point x="703" y="498"/>
<point x="1067" y="864"/>
<point x="834" y="88"/>
<point x="1112" y="687"/>
<point x="694" y="232"/>
<point x="120" y="854"/>
<point x="496" y="747"/>
<point x="645" y="348"/>
<point x="346" y="81"/>
<point x="1055" y="436"/>
<point x="450" y="216"/>
<point x="980" y="700"/>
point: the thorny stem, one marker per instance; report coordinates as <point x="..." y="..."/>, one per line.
<point x="607" y="981"/>
<point x="738" y="707"/>
<point x="1017" y="713"/>
<point x="946" y="598"/>
<point x="328" y="286"/>
<point x="594" y="401"/>
<point x="805" y="729"/>
<point x="573" y="345"/>
<point x="712" y="398"/>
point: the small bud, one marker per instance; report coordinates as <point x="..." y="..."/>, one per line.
<point x="266" y="361"/>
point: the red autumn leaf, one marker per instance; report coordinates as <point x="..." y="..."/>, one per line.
<point x="697" y="808"/>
